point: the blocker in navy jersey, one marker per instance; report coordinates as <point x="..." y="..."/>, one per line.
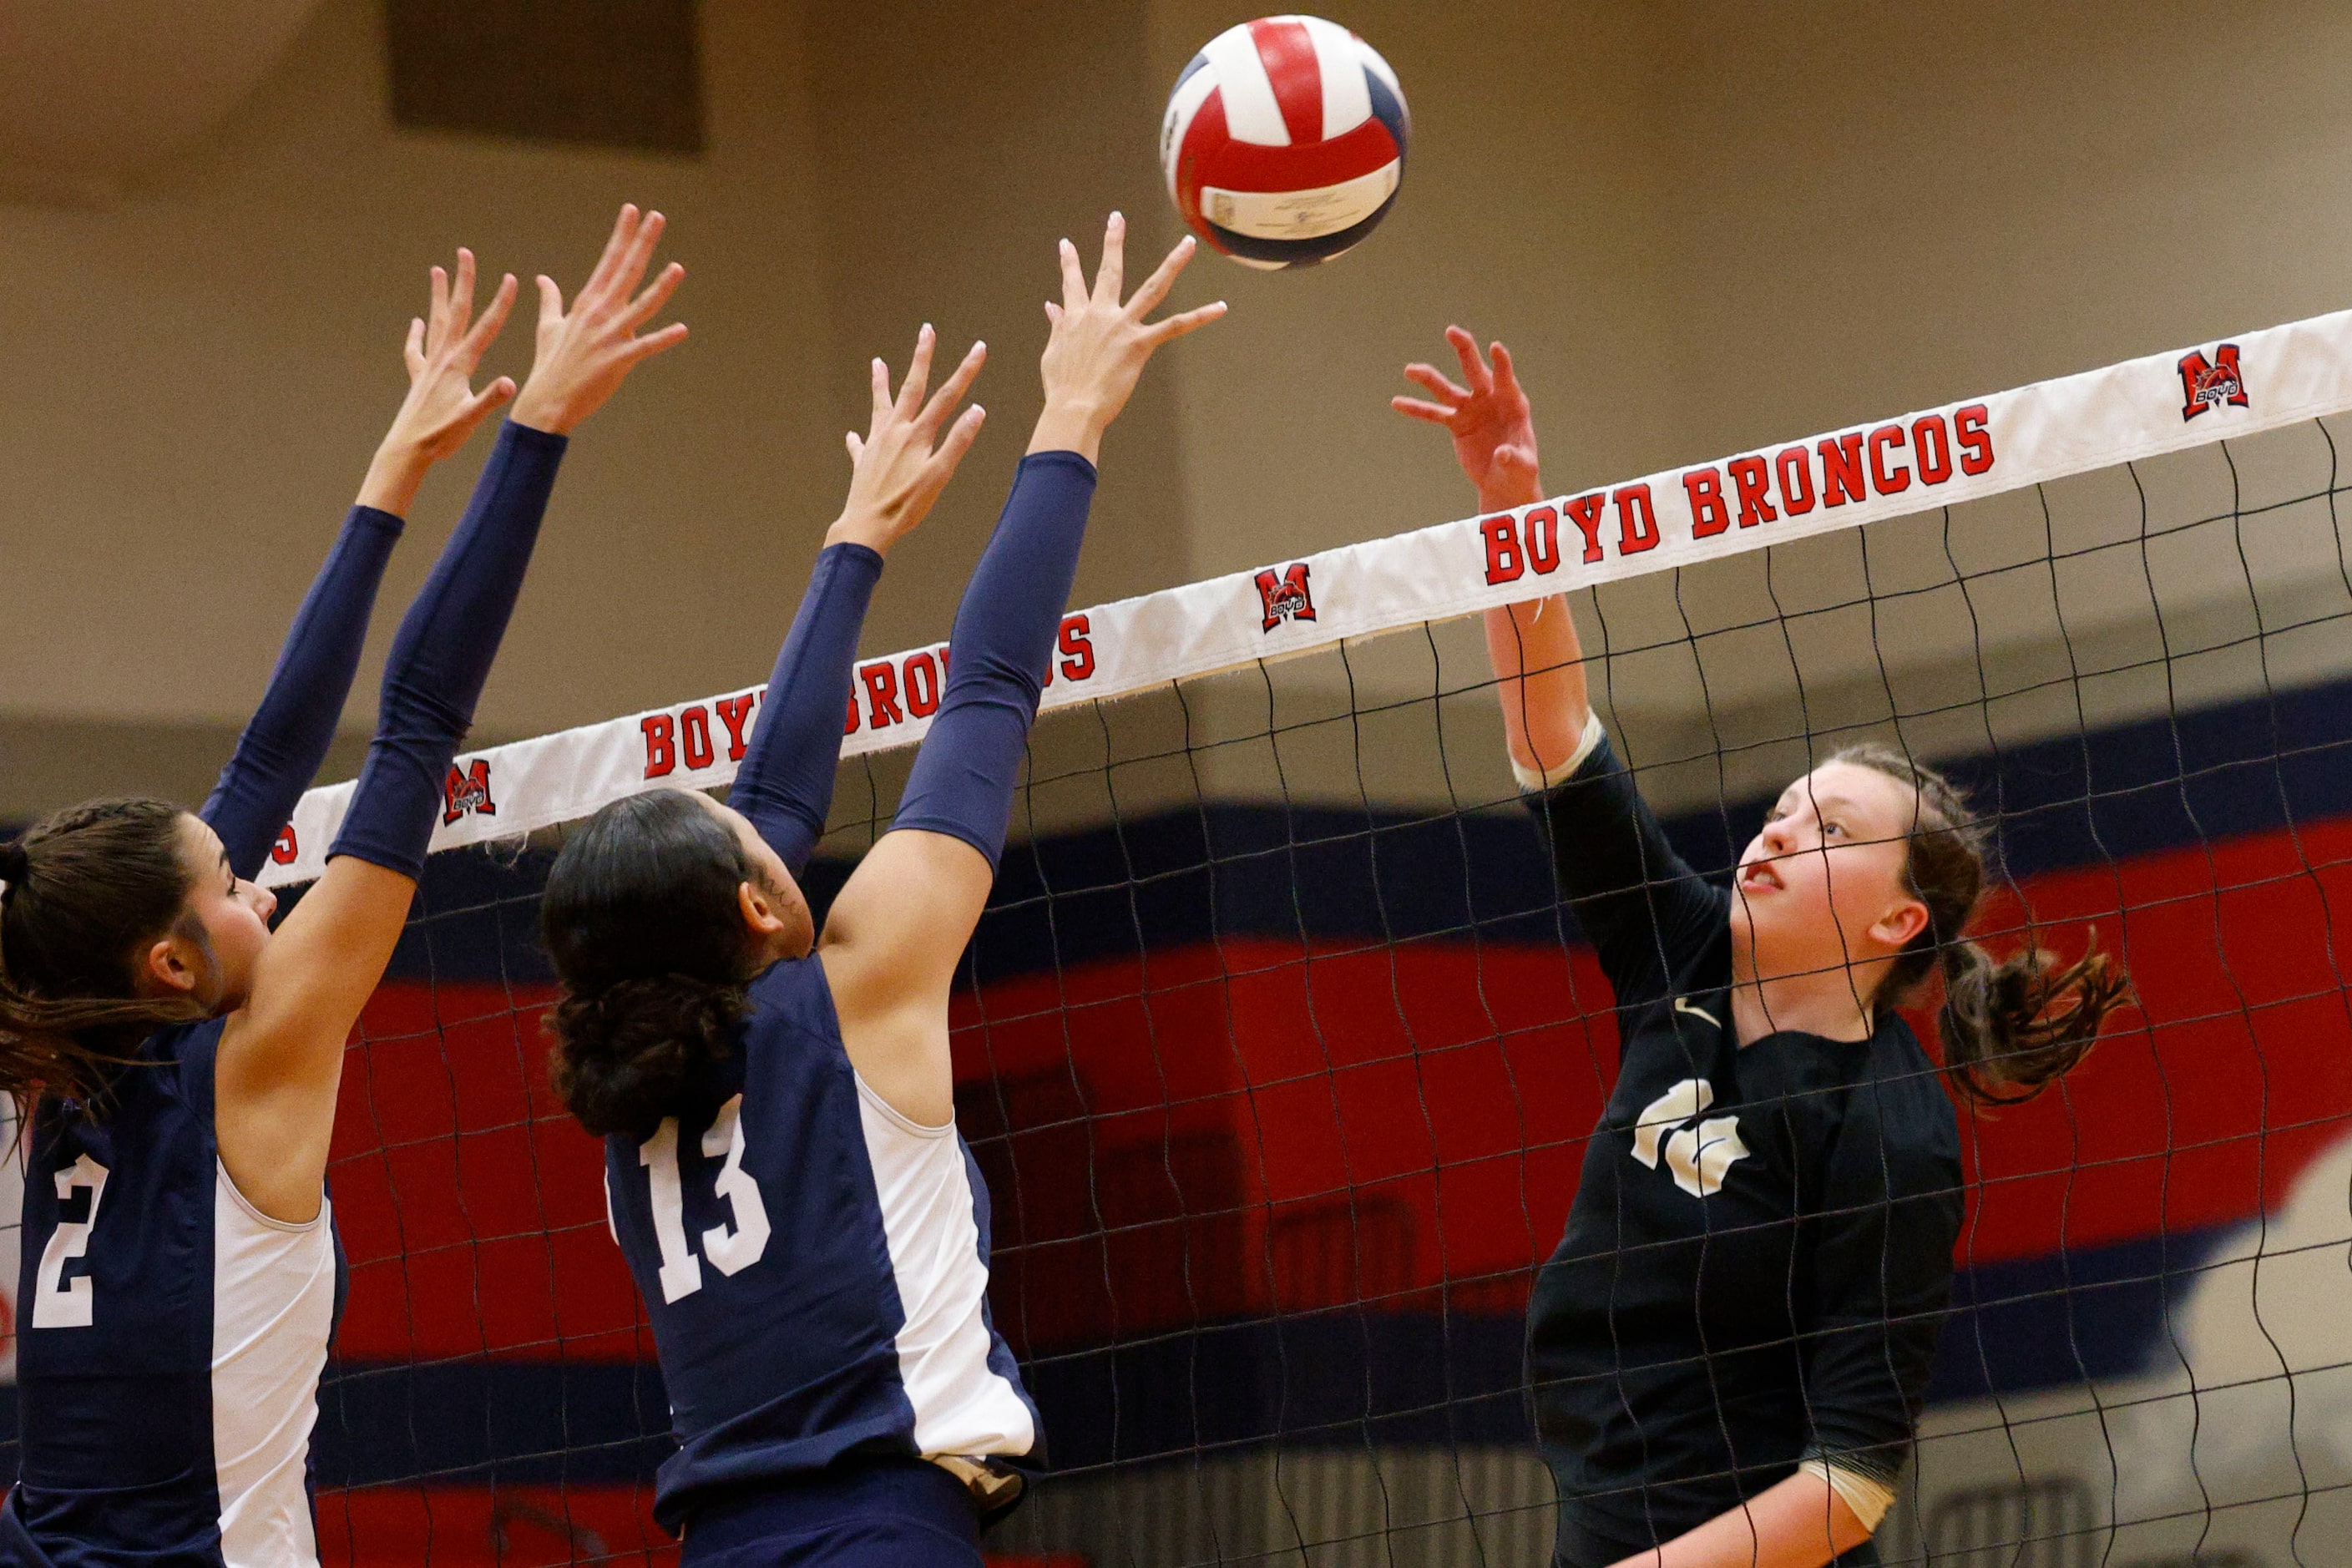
<point x="170" y="1338"/>
<point x="1759" y="1254"/>
<point x="814" y="1264"/>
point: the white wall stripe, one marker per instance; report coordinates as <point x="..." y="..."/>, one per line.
<point x="1980" y="446"/>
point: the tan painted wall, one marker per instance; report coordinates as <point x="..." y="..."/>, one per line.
<point x="1709" y="225"/>
<point x="1702" y="225"/>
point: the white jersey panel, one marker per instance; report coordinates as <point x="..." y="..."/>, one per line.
<point x="273" y="1313"/>
<point x="962" y="1404"/>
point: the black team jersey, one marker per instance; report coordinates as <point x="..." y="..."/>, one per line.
<point x="1759" y="1255"/>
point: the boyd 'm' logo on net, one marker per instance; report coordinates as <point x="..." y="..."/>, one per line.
<point x="467" y="790"/>
<point x="1697" y="1153"/>
<point x="1284" y="595"/>
<point x="2211" y="383"/>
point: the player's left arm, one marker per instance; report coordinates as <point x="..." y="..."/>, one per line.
<point x="784" y="786"/>
<point x="898" y="930"/>
<point x="1537" y="660"/>
<point x="281" y="1054"/>
<point x="286" y="738"/>
<point x="1799" y="1523"/>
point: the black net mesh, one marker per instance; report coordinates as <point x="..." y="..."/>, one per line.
<point x="1280" y="1052"/>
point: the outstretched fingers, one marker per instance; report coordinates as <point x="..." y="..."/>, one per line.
<point x="1473" y="365"/>
<point x="494" y="321"/>
<point x="617" y="246"/>
<point x="1074" y="280"/>
<point x="627" y="253"/>
<point x="952" y="391"/>
<point x="1111" y="277"/>
<point x="551" y="303"/>
<point x="1435" y="413"/>
<point x="461" y="294"/>
<point x="1191" y="321"/>
<point x="495" y="395"/>
<point x="639" y="350"/>
<point x="436" y="314"/>
<point x="1506" y="379"/>
<point x="655" y="296"/>
<point x="1430" y="379"/>
<point x="918" y="373"/>
<point x="1155" y="287"/>
<point x="639" y="253"/>
<point x="613" y="285"/>
<point x="942" y="465"/>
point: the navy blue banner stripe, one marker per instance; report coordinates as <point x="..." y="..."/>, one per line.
<point x="1176" y="878"/>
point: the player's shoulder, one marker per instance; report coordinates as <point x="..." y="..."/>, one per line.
<point x="1898" y="1102"/>
<point x="788" y="980"/>
<point x="172" y="1069"/>
<point x="790" y="997"/>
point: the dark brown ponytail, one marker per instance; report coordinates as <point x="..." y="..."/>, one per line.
<point x="86" y="891"/>
<point x="2010" y="1027"/>
<point x="641" y="923"/>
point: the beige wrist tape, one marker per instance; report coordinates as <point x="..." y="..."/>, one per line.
<point x="1868" y="1498"/>
<point x="1558" y="772"/>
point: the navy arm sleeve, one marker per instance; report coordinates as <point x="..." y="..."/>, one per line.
<point x="1880" y="1280"/>
<point x="442" y="655"/>
<point x="785" y="784"/>
<point x="1645" y="911"/>
<point x="963" y="780"/>
<point x="286" y="738"/>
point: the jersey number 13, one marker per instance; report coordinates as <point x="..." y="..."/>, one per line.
<point x="732" y="1248"/>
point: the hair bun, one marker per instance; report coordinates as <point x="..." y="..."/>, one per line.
<point x="15" y="865"/>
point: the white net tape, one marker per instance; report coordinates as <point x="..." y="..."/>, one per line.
<point x="1773" y="495"/>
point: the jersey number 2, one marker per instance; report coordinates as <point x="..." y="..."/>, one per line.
<point x="58" y="1302"/>
<point x="731" y="1249"/>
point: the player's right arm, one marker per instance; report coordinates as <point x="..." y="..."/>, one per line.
<point x="282" y="745"/>
<point x="280" y="1059"/>
<point x="1640" y="905"/>
<point x="896" y="934"/>
<point x="1547" y="715"/>
<point x="784" y="785"/>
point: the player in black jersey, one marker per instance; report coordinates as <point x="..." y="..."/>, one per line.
<point x="1729" y="1349"/>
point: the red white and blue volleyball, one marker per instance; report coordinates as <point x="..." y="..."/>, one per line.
<point x="1284" y="141"/>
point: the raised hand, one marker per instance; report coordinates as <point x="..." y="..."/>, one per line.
<point x="442" y="409"/>
<point x="1099" y="346"/>
<point x="1494" y="431"/>
<point x="896" y="474"/>
<point x="585" y="353"/>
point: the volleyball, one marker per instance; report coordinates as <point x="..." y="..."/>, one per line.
<point x="1283" y="142"/>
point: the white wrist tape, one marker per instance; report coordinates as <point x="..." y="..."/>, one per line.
<point x="1558" y="774"/>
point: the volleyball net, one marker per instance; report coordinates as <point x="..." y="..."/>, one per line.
<point x="1280" y="1051"/>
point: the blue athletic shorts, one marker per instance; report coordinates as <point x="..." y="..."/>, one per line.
<point x="882" y="1513"/>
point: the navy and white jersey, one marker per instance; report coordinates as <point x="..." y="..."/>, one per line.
<point x="816" y="1267"/>
<point x="1759" y="1254"/>
<point x="170" y="1338"/>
